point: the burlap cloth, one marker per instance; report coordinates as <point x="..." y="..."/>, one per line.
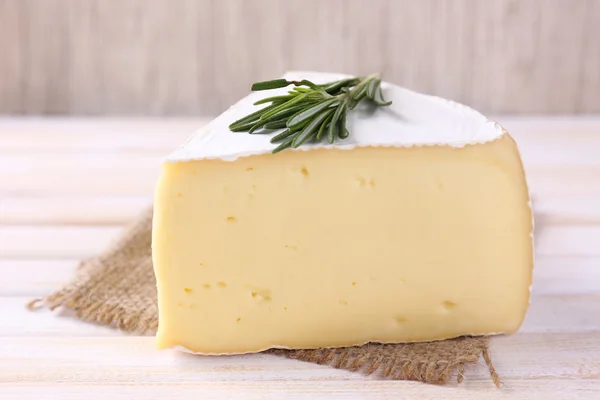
<point x="118" y="289"/>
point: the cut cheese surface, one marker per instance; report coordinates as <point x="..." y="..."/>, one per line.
<point x="338" y="246"/>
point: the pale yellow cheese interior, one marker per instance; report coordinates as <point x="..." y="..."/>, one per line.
<point x="330" y="247"/>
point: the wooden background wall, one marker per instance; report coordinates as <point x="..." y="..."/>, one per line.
<point x="195" y="57"/>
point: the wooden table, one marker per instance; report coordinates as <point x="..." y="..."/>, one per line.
<point x="68" y="186"/>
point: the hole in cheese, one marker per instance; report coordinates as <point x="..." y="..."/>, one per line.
<point x="449" y="305"/>
<point x="263" y="295"/>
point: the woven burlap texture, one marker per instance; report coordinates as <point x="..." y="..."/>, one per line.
<point x="118" y="289"/>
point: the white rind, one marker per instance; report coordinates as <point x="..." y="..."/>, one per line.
<point x="413" y="119"/>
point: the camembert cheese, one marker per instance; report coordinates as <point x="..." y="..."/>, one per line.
<point x="418" y="227"/>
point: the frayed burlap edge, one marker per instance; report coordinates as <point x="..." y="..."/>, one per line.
<point x="430" y="362"/>
<point x="117" y="289"/>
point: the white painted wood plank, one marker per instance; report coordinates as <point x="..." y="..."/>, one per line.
<point x="567" y="209"/>
<point x="134" y="175"/>
<point x="41" y="75"/>
<point x="549" y="125"/>
<point x="34" y="278"/>
<point x="555" y="140"/>
<point x="568" y="240"/>
<point x="135" y="359"/>
<point x="82" y="241"/>
<point x="563" y="313"/>
<point x="543" y="141"/>
<point x="566" y="275"/>
<point x="106" y="359"/>
<point x="94" y="135"/>
<point x="55" y="242"/>
<point x="18" y="320"/>
<point x="563" y="181"/>
<point x="163" y="57"/>
<point x="61" y="210"/>
<point x="74" y="174"/>
<point x="551" y="275"/>
<point x="81" y="210"/>
<point x="547" y="313"/>
<point x="515" y="389"/>
<point x="119" y="163"/>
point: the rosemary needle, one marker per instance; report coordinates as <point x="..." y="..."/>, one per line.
<point x="309" y="112"/>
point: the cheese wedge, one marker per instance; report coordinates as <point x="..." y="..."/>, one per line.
<point x="418" y="227"/>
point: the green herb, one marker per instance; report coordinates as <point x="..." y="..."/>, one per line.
<point x="309" y="112"/>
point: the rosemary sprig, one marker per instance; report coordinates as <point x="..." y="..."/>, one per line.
<point x="309" y="112"/>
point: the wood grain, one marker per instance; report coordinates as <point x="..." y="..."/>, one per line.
<point x="51" y="242"/>
<point x="24" y="176"/>
<point x="521" y="389"/>
<point x="548" y="313"/>
<point x="28" y="153"/>
<point x="40" y="277"/>
<point x="134" y="360"/>
<point x="55" y="241"/>
<point x="187" y="57"/>
<point x="60" y="209"/>
<point x="34" y="278"/>
<point x="58" y="135"/>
